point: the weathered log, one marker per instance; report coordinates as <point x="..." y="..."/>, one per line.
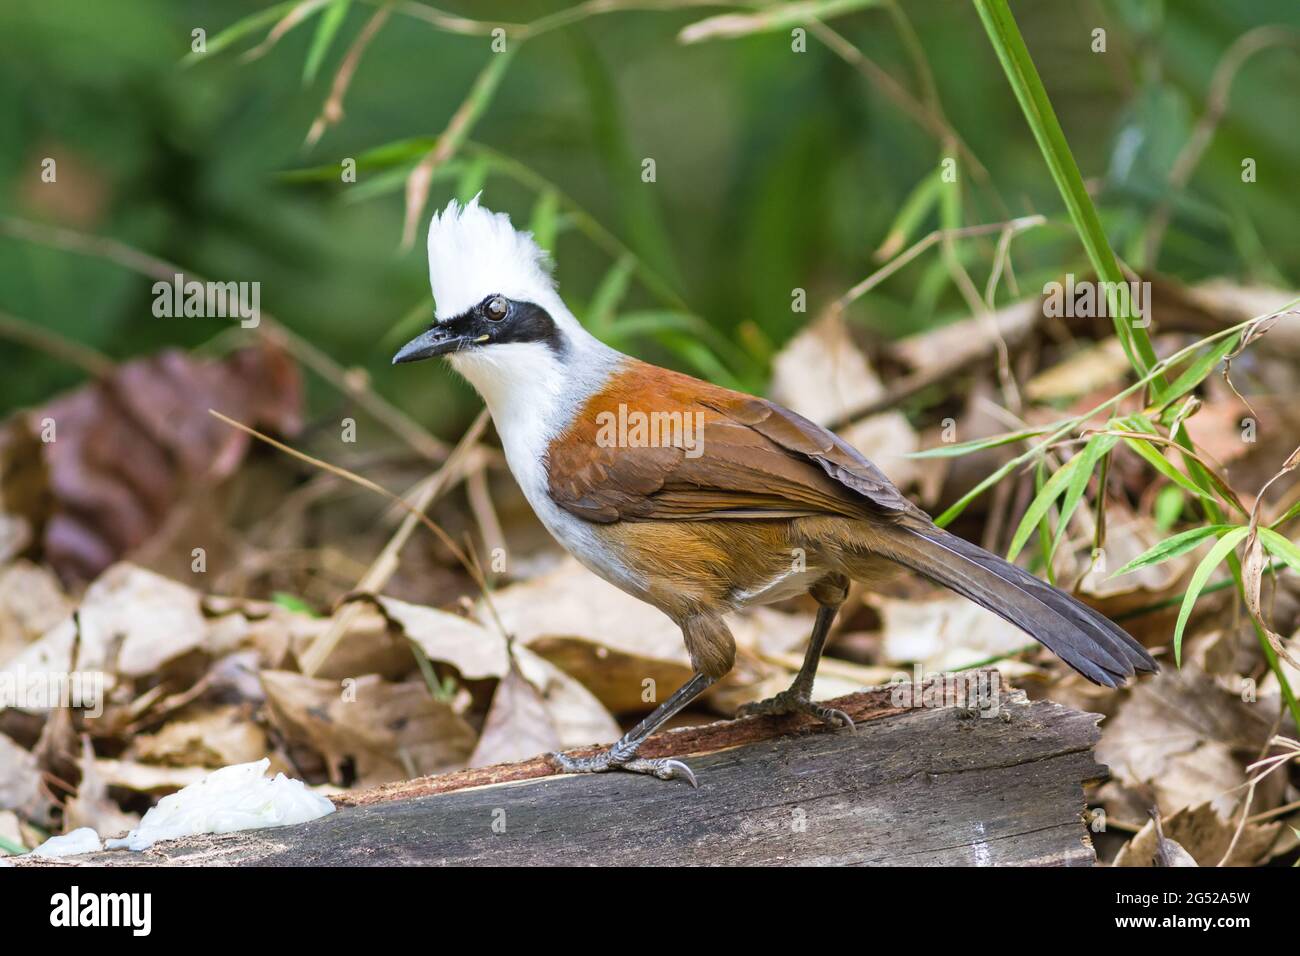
<point x="911" y="786"/>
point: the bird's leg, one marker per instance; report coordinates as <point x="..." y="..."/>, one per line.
<point x="798" y="698"/>
<point x="622" y="756"/>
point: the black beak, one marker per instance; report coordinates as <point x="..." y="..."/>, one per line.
<point x="439" y="340"/>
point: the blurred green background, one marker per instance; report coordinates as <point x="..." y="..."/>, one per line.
<point x="775" y="169"/>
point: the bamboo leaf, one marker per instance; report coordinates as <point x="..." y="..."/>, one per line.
<point x="1161" y="464"/>
<point x="1212" y="560"/>
<point x="1042" y="501"/>
<point x="915" y="208"/>
<point x="544" y="222"/>
<point x="326" y="29"/>
<point x="1097" y="447"/>
<point x="1025" y="82"/>
<point x="1195" y="373"/>
<point x="240" y="29"/>
<point x="1281" y="547"/>
<point x="978" y="444"/>
<point x="1172" y="547"/>
<point x="613" y="287"/>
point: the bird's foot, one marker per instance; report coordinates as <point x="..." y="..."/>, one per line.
<point x="665" y="768"/>
<point x="792" y="702"/>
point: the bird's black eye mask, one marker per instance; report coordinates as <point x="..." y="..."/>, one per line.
<point x="495" y="320"/>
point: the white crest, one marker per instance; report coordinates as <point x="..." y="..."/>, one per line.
<point x="475" y="253"/>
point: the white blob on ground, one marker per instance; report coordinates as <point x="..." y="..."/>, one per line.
<point x="81" y="840"/>
<point x="239" y="797"/>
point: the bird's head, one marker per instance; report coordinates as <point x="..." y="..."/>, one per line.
<point x="498" y="318"/>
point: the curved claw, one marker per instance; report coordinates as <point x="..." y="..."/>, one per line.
<point x="844" y="719"/>
<point x="664" y="768"/>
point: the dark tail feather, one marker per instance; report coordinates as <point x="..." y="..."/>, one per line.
<point x="1086" y="640"/>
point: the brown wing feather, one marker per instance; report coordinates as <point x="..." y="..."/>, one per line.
<point x="758" y="460"/>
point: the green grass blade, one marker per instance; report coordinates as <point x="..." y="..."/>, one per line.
<point x="1172" y="547"/>
<point x="326" y="29"/>
<point x="1097" y="447"/>
<point x="1195" y="373"/>
<point x="1161" y="464"/>
<point x="544" y="223"/>
<point x="977" y="444"/>
<point x="1023" y="76"/>
<point x="1280" y="547"/>
<point x="1212" y="560"/>
<point x="240" y="29"/>
<point x="1042" y="501"/>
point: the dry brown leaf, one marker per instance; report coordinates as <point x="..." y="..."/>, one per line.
<point x="475" y="651"/>
<point x="31" y="602"/>
<point x="20" y="783"/>
<point x="572" y="602"/>
<point x="127" y="448"/>
<point x="1093" y="367"/>
<point x="1204" y="835"/>
<point x="943" y="632"/>
<point x="219" y="737"/>
<point x="1186" y="740"/>
<point x="390" y="731"/>
<point x="132" y="622"/>
<point x="822" y="374"/>
<point x="146" y="778"/>
<point x="91" y="807"/>
<point x="517" y="726"/>
<point x="575" y="712"/>
<point x="624" y="683"/>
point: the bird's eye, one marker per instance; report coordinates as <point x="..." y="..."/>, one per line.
<point x="496" y="308"/>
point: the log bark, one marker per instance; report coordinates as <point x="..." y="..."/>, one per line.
<point x="911" y="786"/>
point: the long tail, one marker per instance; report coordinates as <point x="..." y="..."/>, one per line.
<point x="1086" y="640"/>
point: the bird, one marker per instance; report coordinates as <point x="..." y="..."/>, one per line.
<point x="697" y="499"/>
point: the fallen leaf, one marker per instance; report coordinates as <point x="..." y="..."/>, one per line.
<point x="390" y="731"/>
<point x="517" y="726"/>
<point x="31" y="602"/>
<point x="117" y="454"/>
<point x="91" y="807"/>
<point x="1203" y="835"/>
<point x="822" y="374"/>
<point x="213" y="738"/>
<point x="20" y="783"/>
<point x="1186" y="740"/>
<point x="944" y="632"/>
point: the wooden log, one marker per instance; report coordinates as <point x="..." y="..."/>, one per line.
<point x="911" y="786"/>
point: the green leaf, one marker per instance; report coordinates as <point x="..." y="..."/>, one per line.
<point x="1195" y="373"/>
<point x="1170" y="501"/>
<point x="1221" y="550"/>
<point x="1172" y="547"/>
<point x="1280" y="547"/>
<point x="326" y="29"/>
<point x="1022" y="75"/>
<point x="978" y="444"/>
<point x="544" y="224"/>
<point x="472" y="178"/>
<point x="1042" y="501"/>
<point x="1097" y="447"/>
<point x="915" y="208"/>
<point x="291" y="602"/>
<point x="240" y="29"/>
<point x="1161" y="464"/>
<point x="613" y="287"/>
